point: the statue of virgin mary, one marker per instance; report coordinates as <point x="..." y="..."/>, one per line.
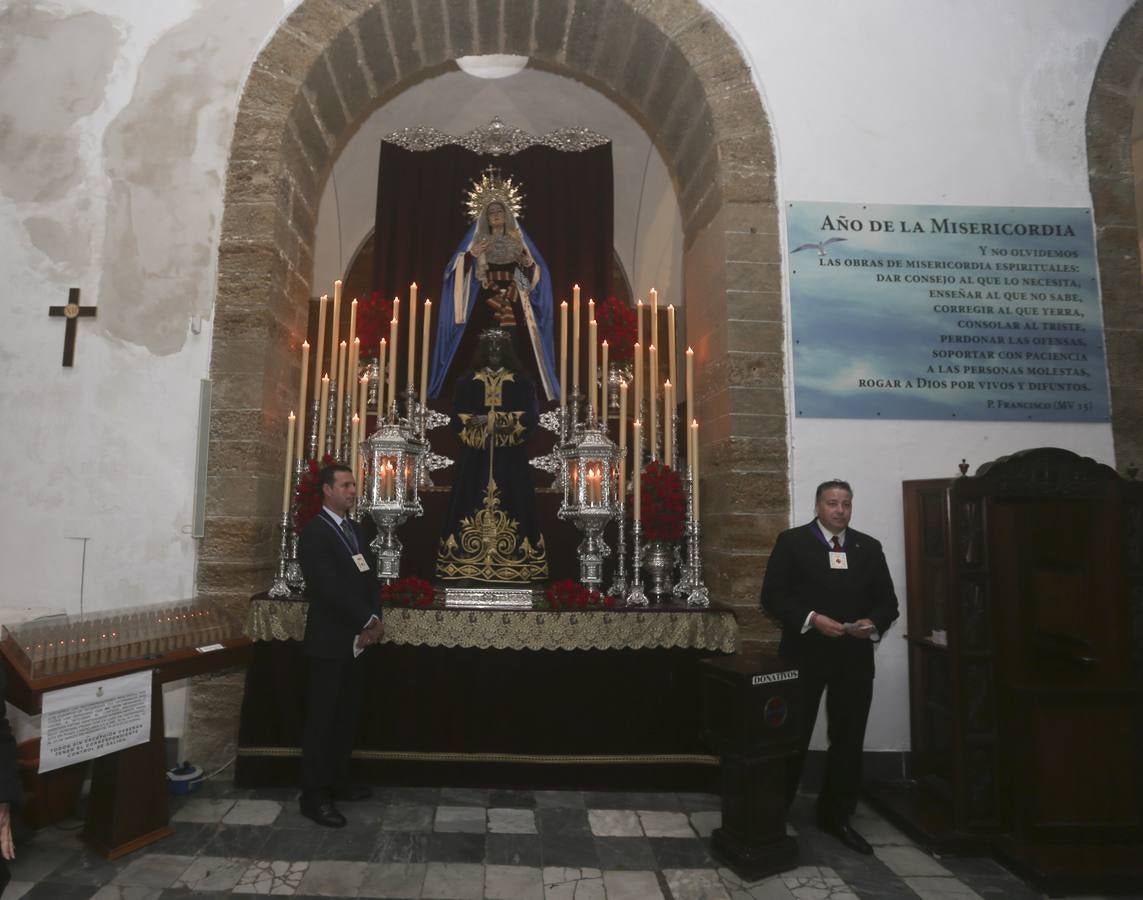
<point x="497" y="278"/>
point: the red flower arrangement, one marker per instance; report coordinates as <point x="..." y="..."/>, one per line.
<point x="411" y="591"/>
<point x="568" y="594"/>
<point x="663" y="503"/>
<point x="617" y="325"/>
<point x="373" y="318"/>
<point x="307" y="496"/>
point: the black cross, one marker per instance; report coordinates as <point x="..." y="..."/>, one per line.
<point x="72" y="312"/>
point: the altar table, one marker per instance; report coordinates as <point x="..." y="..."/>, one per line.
<point x="527" y="698"/>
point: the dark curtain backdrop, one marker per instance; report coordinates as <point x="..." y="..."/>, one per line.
<point x="568" y="212"/>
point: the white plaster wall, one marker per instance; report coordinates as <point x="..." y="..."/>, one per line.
<point x="112" y="163"/>
<point x="115" y="126"/>
<point x="648" y="229"/>
<point x="941" y="101"/>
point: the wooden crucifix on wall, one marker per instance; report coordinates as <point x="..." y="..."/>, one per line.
<point x="71" y="312"/>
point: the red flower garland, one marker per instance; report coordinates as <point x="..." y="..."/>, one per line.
<point x="307" y="496"/>
<point x="373" y="318"/>
<point x="663" y="503"/>
<point x="411" y="591"/>
<point x="616" y="324"/>
<point x="568" y="594"/>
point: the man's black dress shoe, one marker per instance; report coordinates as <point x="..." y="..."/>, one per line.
<point x="847" y="836"/>
<point x="323" y="812"/>
<point x="352" y="793"/>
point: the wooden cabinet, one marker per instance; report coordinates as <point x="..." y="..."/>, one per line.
<point x="1025" y="629"/>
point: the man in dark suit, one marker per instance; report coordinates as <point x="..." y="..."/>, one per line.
<point x="829" y="586"/>
<point x="341" y="584"/>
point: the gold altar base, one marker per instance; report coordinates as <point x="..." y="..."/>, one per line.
<point x="490" y="597"/>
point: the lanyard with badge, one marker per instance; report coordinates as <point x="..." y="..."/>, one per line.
<point x="358" y="559"/>
<point x="837" y="556"/>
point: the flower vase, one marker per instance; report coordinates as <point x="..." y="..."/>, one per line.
<point x="658" y="565"/>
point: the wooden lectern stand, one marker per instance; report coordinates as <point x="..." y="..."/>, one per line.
<point x="127" y="808"/>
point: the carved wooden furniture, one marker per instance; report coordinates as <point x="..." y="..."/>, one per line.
<point x="127" y="807"/>
<point x="1025" y="632"/>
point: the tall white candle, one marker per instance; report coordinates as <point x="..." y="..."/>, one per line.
<point x="690" y="384"/>
<point x="354" y="428"/>
<point x="339" y="400"/>
<point x="622" y="418"/>
<point x="425" y="351"/>
<point x="412" y="333"/>
<point x="603" y="386"/>
<point x="319" y="356"/>
<point x="575" y="341"/>
<point x="289" y="476"/>
<point x="563" y="354"/>
<point x="637" y="399"/>
<point x="653" y="400"/>
<point x="636" y="465"/>
<point x="352" y="333"/>
<point x="591" y="395"/>
<point x="392" y="362"/>
<point x="323" y="406"/>
<point x="639" y="322"/>
<point x="655" y="324"/>
<point x="672" y="349"/>
<point x="299" y="447"/>
<point x="335" y="325"/>
<point x="381" y="380"/>
<point x="668" y="438"/>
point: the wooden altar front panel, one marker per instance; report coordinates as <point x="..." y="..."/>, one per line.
<point x="477" y="714"/>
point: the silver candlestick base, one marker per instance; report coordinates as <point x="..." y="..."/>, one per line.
<point x="388" y="548"/>
<point x="619" y="583"/>
<point x="699" y="595"/>
<point x="281" y="586"/>
<point x="592" y="549"/>
<point x="686" y="582"/>
<point x="636" y="597"/>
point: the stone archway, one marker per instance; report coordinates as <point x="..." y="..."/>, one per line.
<point x="671" y="66"/>
<point x="1114" y="121"/>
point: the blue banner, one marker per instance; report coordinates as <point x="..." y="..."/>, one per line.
<point x="945" y="312"/>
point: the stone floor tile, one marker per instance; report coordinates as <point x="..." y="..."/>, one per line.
<point x="17" y="889"/>
<point x="880" y="833"/>
<point x="695" y="884"/>
<point x="769" y="888"/>
<point x="704" y="822"/>
<point x="84" y="867"/>
<point x="158" y="870"/>
<point x="291" y="843"/>
<point x="512" y="799"/>
<point x="407" y="818"/>
<point x="469" y="819"/>
<point x="455" y="847"/>
<point x="203" y="809"/>
<point x="817" y="883"/>
<point x="614" y="823"/>
<point x="464" y="797"/>
<point x="563" y="821"/>
<point x="631" y="886"/>
<point x="562" y="883"/>
<point x="403" y="846"/>
<point x="453" y="881"/>
<point x="694" y="802"/>
<point x="664" y="802"/>
<point x="665" y="824"/>
<point x="332" y="878"/>
<point x="511" y="821"/>
<point x="512" y="850"/>
<point x="212" y="873"/>
<point x="569" y="851"/>
<point x="253" y="812"/>
<point x="37" y="863"/>
<point x="513" y="883"/>
<point x="909" y="862"/>
<point x="277" y="877"/>
<point x="410" y="796"/>
<point x="677" y="853"/>
<point x="393" y="880"/>
<point x="561" y="799"/>
<point x="122" y="892"/>
<point x="625" y="853"/>
<point x="940" y="887"/>
<point x="349" y="844"/>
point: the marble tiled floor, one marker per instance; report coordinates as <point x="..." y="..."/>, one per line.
<point x="469" y="843"/>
